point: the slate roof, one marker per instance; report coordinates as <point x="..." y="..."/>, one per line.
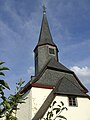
<point x="46" y="78"/>
<point x="45" y="36"/>
<point x="57" y="65"/>
<point x="70" y="80"/>
<point x="67" y="87"/>
<point x="52" y="64"/>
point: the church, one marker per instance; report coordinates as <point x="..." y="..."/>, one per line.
<point x="52" y="82"/>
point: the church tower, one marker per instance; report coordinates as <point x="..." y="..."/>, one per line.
<point x="52" y="82"/>
<point x="45" y="48"/>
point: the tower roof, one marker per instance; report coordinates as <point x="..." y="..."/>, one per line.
<point x="45" y="36"/>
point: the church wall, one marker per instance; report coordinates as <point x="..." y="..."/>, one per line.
<point x="25" y="111"/>
<point x="38" y="97"/>
<point x="35" y="98"/>
<point x="81" y="112"/>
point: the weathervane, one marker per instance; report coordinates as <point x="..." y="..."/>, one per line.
<point x="44" y="6"/>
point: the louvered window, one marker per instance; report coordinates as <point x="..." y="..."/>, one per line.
<point x="51" y="51"/>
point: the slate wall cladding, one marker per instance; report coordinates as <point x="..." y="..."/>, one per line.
<point x="44" y="56"/>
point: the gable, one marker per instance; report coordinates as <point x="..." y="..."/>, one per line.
<point x="67" y="87"/>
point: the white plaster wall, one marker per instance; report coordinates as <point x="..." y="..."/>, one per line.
<point x="38" y="97"/>
<point x="82" y="112"/>
<point x="25" y="111"/>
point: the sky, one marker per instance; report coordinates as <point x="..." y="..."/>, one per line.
<point x="20" y="22"/>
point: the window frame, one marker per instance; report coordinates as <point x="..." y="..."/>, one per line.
<point x="72" y="101"/>
<point x="50" y="52"/>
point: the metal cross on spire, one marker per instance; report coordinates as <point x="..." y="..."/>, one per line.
<point x="44" y="6"/>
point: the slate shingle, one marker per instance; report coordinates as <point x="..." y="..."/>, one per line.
<point x="45" y="35"/>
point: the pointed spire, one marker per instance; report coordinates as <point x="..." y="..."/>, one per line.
<point x="45" y="35"/>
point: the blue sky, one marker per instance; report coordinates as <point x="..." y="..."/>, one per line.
<point x="20" y="22"/>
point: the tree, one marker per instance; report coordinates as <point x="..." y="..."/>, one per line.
<point x="55" y="111"/>
<point x="3" y="85"/>
<point x="13" y="101"/>
<point x="9" y="105"/>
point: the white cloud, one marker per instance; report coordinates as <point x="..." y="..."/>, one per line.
<point x="83" y="73"/>
<point x="31" y="70"/>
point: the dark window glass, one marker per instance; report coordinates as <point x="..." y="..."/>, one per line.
<point x="51" y="51"/>
<point x="72" y="101"/>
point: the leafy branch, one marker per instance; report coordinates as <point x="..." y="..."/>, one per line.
<point x="9" y="105"/>
<point x="3" y="85"/>
<point x="55" y="111"/>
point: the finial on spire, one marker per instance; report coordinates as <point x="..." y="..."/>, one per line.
<point x="44" y="7"/>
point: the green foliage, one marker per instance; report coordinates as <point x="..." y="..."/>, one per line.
<point x="13" y="101"/>
<point x="3" y="85"/>
<point x="9" y="105"/>
<point x="55" y="111"/>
